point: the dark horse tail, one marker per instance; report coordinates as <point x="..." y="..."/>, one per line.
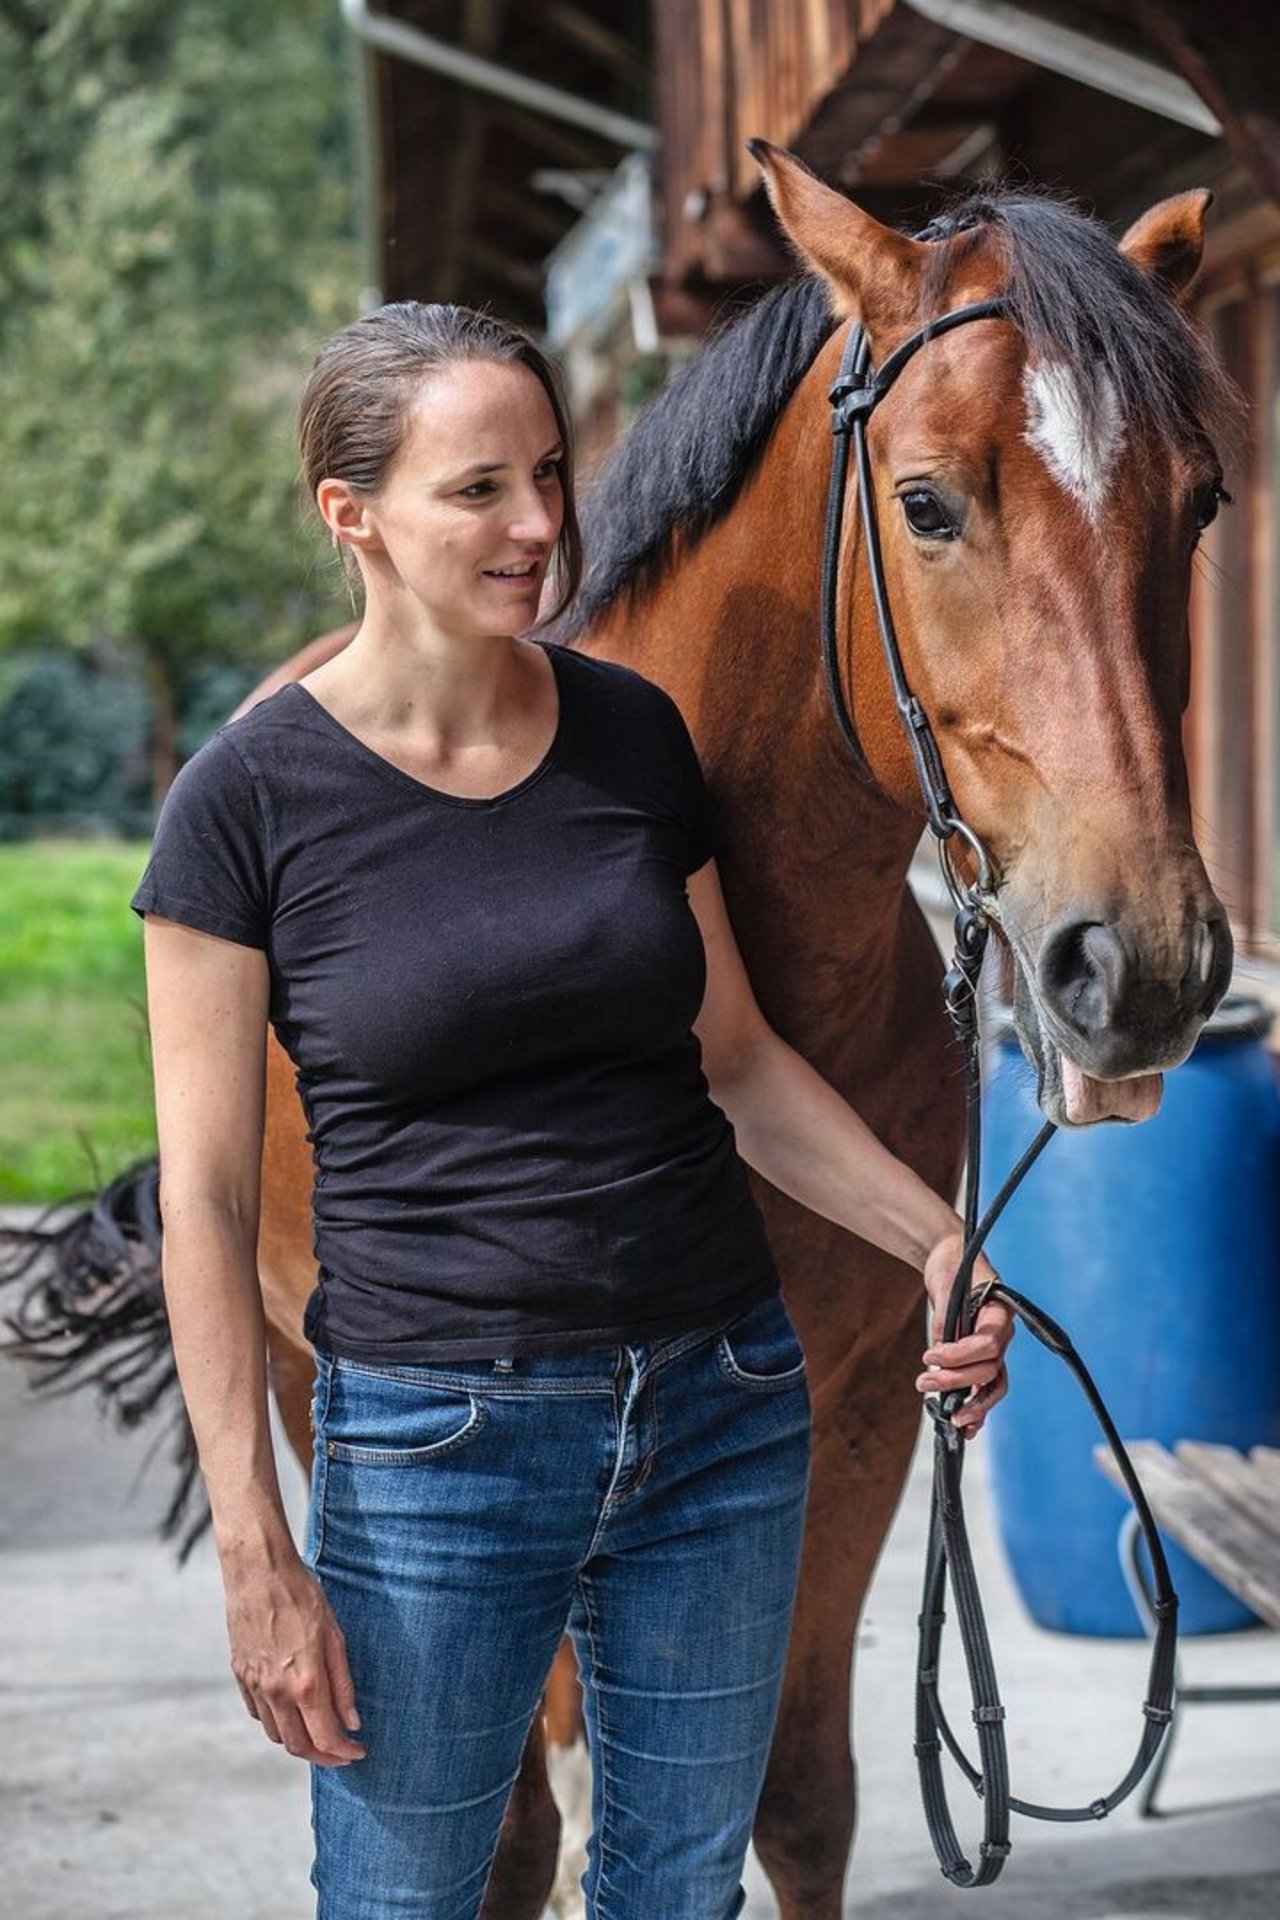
<point x="92" y="1314"/>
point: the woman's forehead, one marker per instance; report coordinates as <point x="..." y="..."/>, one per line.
<point x="481" y="409"/>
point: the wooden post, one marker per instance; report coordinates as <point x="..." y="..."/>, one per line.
<point x="1229" y="56"/>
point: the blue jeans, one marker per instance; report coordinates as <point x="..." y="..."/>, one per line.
<point x="647" y="1498"/>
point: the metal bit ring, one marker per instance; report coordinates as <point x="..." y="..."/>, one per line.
<point x="980" y="894"/>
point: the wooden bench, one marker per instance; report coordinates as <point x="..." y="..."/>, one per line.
<point x="1222" y="1508"/>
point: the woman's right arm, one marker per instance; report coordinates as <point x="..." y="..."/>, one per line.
<point x="207" y="1003"/>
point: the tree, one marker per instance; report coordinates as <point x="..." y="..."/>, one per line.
<point x="185" y="238"/>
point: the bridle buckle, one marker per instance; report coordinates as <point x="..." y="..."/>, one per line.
<point x="852" y="399"/>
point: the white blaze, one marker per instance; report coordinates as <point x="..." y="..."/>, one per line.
<point x="1078" y="443"/>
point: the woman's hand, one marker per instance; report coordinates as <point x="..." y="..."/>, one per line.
<point x="976" y="1363"/>
<point x="290" y="1660"/>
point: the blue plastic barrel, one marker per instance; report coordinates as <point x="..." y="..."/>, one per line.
<point x="1157" y="1246"/>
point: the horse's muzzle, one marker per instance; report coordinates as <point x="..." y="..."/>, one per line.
<point x="1117" y="1013"/>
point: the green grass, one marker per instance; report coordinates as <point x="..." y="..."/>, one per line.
<point x="75" y="1073"/>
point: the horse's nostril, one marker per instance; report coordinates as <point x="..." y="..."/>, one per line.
<point x="1104" y="958"/>
<point x="1082" y="973"/>
<point x="1099" y="987"/>
<point x="1201" y="956"/>
<point x="1212" y="956"/>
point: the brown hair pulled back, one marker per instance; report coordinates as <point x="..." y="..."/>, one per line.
<point x="355" y="405"/>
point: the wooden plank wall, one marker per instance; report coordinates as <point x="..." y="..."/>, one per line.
<point x="728" y="69"/>
<point x="1233" y="727"/>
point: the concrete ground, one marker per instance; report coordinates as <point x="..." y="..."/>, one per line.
<point x="134" y="1787"/>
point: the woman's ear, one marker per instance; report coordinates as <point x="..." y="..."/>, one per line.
<point x="345" y="513"/>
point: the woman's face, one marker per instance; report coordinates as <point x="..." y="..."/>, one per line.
<point x="468" y="515"/>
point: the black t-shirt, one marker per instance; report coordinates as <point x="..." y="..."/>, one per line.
<point x="489" y="1005"/>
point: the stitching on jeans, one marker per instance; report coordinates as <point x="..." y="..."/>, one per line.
<point x="646" y="1465"/>
<point x="322" y="1470"/>
<point x="358" y="1456"/>
<point x="607" y="1504"/>
<point x="703" y="1336"/>
<point x="684" y="1343"/>
<point x="743" y="1376"/>
<point x="584" y="1588"/>
<point x="492" y="1385"/>
<point x="314" y="1875"/>
<point x="756" y="1382"/>
<point x="652" y="1454"/>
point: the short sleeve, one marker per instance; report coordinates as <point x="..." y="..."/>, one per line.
<point x="697" y="810"/>
<point x="208" y="864"/>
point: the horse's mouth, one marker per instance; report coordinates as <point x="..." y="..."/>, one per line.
<point x="1074" y="1098"/>
<point x="1065" y="1092"/>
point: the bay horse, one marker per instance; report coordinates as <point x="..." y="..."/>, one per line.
<point x="1041" y="480"/>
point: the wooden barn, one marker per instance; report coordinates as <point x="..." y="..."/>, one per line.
<point x="584" y="168"/>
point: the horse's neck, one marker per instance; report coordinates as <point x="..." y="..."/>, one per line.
<point x="817" y="860"/>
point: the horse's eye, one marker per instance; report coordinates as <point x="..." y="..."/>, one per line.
<point x="1208" y="500"/>
<point x="927" y="516"/>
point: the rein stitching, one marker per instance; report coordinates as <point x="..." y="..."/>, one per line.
<point x="856" y="393"/>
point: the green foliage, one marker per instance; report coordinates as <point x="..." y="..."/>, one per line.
<point x="180" y="237"/>
<point x="75" y="1077"/>
<point x="72" y="744"/>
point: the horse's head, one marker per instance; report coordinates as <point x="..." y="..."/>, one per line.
<point x="1041" y="484"/>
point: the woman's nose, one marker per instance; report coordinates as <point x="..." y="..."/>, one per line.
<point x="536" y="518"/>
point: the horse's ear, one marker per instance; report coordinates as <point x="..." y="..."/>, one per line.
<point x="872" y="271"/>
<point x="1168" y="241"/>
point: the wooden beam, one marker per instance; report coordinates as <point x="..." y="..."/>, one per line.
<point x="893" y="76"/>
<point x="1236" y="1548"/>
<point x="612" y="50"/>
<point x="734" y="249"/>
<point x="560" y="143"/>
<point x="1229" y="56"/>
<point x="482" y="22"/>
<point x="1235" y="1477"/>
<point x="528" y="210"/>
<point x="524" y="275"/>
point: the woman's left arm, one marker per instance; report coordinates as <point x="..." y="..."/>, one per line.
<point x="796" y="1131"/>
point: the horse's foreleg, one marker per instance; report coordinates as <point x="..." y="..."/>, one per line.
<point x="866" y="1417"/>
<point x="524" y="1866"/>
<point x="569" y="1771"/>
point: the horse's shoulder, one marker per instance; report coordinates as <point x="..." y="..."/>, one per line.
<point x="624" y="686"/>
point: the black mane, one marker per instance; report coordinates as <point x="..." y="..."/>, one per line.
<point x="1078" y="300"/>
<point x="1074" y="296"/>
<point x="680" y="467"/>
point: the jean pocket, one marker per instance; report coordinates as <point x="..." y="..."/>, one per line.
<point x="375" y="1420"/>
<point x="760" y="1350"/>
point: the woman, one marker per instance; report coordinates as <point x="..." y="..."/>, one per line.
<point x="470" y="880"/>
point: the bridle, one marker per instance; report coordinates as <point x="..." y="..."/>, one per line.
<point x="857" y="391"/>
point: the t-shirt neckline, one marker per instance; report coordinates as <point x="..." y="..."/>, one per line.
<point x="389" y="767"/>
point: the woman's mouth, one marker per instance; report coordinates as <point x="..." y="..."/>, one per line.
<point x="523" y="575"/>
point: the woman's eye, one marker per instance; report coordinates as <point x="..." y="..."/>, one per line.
<point x="549" y="471"/>
<point x="477" y="490"/>
<point x="926" y="515"/>
<point x="1208" y="500"/>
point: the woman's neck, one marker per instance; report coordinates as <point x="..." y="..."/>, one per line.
<point x="397" y="677"/>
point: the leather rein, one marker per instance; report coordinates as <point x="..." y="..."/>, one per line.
<point x="857" y="391"/>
